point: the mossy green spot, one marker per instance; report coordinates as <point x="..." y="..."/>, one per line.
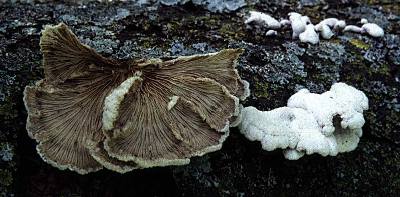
<point x="261" y="90"/>
<point x="360" y="44"/>
<point x="6" y="178"/>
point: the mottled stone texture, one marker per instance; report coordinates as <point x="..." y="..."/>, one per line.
<point x="276" y="67"/>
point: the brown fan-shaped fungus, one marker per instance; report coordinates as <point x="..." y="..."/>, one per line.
<point x="91" y="112"/>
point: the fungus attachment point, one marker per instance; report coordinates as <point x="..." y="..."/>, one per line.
<point x="143" y="113"/>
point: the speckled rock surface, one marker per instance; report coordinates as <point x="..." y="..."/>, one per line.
<point x="276" y="68"/>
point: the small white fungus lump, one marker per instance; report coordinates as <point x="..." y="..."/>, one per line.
<point x="372" y="29"/>
<point x="298" y="24"/>
<point x="309" y="35"/>
<point x="264" y="19"/>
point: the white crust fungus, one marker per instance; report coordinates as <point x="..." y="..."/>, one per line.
<point x="326" y="32"/>
<point x="363" y="21"/>
<point x="298" y="24"/>
<point x="271" y="33"/>
<point x="246" y="91"/>
<point x="340" y="25"/>
<point x="326" y="26"/>
<point x="284" y="22"/>
<point x="373" y="29"/>
<point x="327" y="123"/>
<point x="265" y="19"/>
<point x="331" y="23"/>
<point x="301" y="25"/>
<point x="309" y="35"/>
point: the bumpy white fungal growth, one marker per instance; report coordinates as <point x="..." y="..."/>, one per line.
<point x="262" y="18"/>
<point x="330" y="22"/>
<point x="246" y="90"/>
<point x="364" y="21"/>
<point x="305" y="20"/>
<point x="114" y="99"/>
<point x="298" y="25"/>
<point x="294" y="15"/>
<point x="292" y="129"/>
<point x="327" y="124"/>
<point x="326" y="26"/>
<point x="342" y="100"/>
<point x="284" y="22"/>
<point x="373" y="29"/>
<point x="326" y="32"/>
<point x="309" y="35"/>
<point x="341" y="24"/>
<point x="292" y="154"/>
<point x="271" y="33"/>
<point x="302" y="25"/>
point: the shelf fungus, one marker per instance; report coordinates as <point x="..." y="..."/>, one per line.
<point x="91" y="112"/>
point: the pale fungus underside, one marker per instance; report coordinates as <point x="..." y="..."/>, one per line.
<point x="91" y="112"/>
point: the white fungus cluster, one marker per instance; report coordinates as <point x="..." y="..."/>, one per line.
<point x="327" y="123"/>
<point x="264" y="19"/>
<point x="371" y="29"/>
<point x="303" y="29"/>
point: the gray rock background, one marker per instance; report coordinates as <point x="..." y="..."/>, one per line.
<point x="276" y="67"/>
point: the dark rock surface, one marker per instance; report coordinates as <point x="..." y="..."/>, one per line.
<point x="276" y="67"/>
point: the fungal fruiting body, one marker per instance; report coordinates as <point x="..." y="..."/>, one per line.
<point x="285" y="22"/>
<point x="301" y="26"/>
<point x="326" y="32"/>
<point x="331" y="23"/>
<point x="363" y="21"/>
<point x="327" y="123"/>
<point x="91" y="112"/>
<point x="298" y="24"/>
<point x="372" y="29"/>
<point x="326" y="26"/>
<point x="309" y="35"/>
<point x="271" y="33"/>
<point x="264" y="19"/>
